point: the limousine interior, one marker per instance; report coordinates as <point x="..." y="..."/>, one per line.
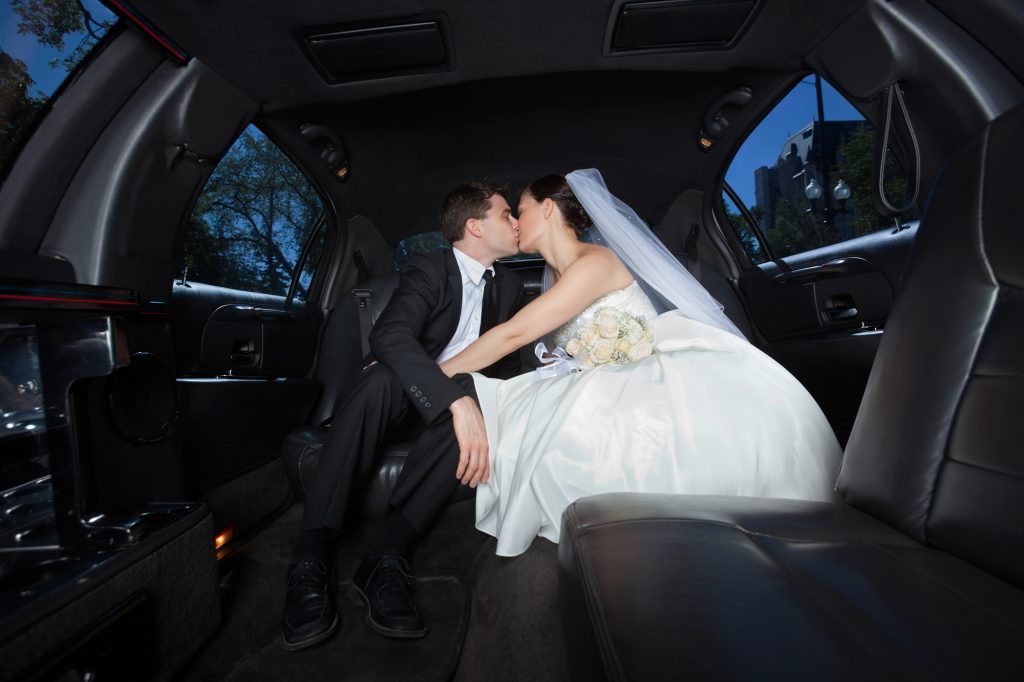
<point x="205" y="205"/>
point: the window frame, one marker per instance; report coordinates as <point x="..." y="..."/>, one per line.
<point x="718" y="204"/>
<point x="326" y="220"/>
<point x="751" y="222"/>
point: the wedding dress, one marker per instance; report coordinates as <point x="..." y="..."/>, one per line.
<point x="707" y="413"/>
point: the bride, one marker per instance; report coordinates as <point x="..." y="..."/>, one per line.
<point x="673" y="403"/>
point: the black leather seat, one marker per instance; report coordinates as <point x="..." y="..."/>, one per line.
<point x="337" y="368"/>
<point x="919" y="573"/>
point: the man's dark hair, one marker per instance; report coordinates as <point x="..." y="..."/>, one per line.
<point x="471" y="200"/>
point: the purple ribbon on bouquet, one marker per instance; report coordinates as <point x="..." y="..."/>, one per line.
<point x="561" y="362"/>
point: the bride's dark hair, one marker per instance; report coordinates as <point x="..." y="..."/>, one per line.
<point x="556" y="188"/>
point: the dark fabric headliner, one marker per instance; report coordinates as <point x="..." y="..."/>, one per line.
<point x="407" y="151"/>
<point x="530" y="93"/>
<point x="251" y="42"/>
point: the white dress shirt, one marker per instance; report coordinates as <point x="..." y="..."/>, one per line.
<point x="473" y="284"/>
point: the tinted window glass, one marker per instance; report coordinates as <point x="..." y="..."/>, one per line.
<point x="41" y="42"/>
<point x="805" y="174"/>
<point x="419" y="243"/>
<point x="429" y="241"/>
<point x="251" y="221"/>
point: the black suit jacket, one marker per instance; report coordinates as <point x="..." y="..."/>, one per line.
<point x="420" y="320"/>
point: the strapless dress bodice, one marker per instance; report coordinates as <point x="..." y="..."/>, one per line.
<point x="630" y="299"/>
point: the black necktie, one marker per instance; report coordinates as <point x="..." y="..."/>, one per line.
<point x="489" y="309"/>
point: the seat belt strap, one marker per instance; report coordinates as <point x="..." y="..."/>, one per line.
<point x="692" y="251"/>
<point x="363" y="297"/>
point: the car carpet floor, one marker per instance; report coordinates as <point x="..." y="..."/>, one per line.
<point x="515" y="629"/>
<point x="247" y="645"/>
<point x="358" y="653"/>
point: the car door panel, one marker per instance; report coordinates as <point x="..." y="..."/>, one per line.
<point x="241" y="363"/>
<point x="268" y="340"/>
<point x="237" y="424"/>
<point x="822" y="313"/>
<point x="268" y="337"/>
<point x="786" y="308"/>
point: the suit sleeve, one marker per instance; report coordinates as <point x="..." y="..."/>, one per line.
<point x="395" y="341"/>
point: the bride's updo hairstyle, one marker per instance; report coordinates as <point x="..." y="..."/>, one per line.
<point x="555" y="187"/>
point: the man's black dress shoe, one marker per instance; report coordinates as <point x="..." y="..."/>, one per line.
<point x="309" y="614"/>
<point x="383" y="587"/>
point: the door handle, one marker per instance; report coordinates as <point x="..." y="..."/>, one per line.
<point x="243" y="352"/>
<point x="840" y="307"/>
<point x="840" y="314"/>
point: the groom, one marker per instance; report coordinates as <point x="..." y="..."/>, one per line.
<point x="443" y="301"/>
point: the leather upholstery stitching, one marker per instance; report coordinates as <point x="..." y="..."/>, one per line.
<point x="606" y="646"/>
<point x="909" y="541"/>
<point x="979" y="341"/>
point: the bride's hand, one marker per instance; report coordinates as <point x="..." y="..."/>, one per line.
<point x="471" y="434"/>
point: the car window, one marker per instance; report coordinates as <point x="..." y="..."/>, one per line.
<point x="419" y="243"/>
<point x="41" y="44"/>
<point x="251" y="222"/>
<point x="803" y="176"/>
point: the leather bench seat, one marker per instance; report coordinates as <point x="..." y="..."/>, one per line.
<point x="338" y="368"/>
<point x="673" y="587"/>
<point x="301" y="452"/>
<point x="918" y="573"/>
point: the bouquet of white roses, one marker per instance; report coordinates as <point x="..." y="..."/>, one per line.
<point x="611" y="337"/>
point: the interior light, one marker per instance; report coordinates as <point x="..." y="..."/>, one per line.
<point x="223" y="537"/>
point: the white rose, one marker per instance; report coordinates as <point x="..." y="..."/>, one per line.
<point x="602" y="351"/>
<point x="640" y="351"/>
<point x="590" y="335"/>
<point x="607" y="322"/>
<point x="573" y="347"/>
<point x="622" y="346"/>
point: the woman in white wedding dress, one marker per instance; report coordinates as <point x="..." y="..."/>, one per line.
<point x="705" y="413"/>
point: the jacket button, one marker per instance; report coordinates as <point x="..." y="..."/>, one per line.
<point x="412" y="388"/>
<point x="423" y="400"/>
<point x="426" y="404"/>
<point x="419" y="393"/>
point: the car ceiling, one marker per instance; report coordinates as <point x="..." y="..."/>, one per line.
<point x="252" y="43"/>
<point x="530" y="91"/>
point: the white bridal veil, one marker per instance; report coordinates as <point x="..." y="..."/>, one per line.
<point x="652" y="264"/>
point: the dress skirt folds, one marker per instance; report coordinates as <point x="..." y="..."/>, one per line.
<point x="707" y="413"/>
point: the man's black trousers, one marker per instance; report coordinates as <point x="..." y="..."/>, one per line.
<point x="361" y="424"/>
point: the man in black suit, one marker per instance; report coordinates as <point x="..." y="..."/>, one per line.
<point x="443" y="301"/>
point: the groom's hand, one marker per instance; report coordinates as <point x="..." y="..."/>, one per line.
<point x="471" y="433"/>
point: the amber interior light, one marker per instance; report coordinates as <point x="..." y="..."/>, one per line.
<point x="223" y="537"/>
